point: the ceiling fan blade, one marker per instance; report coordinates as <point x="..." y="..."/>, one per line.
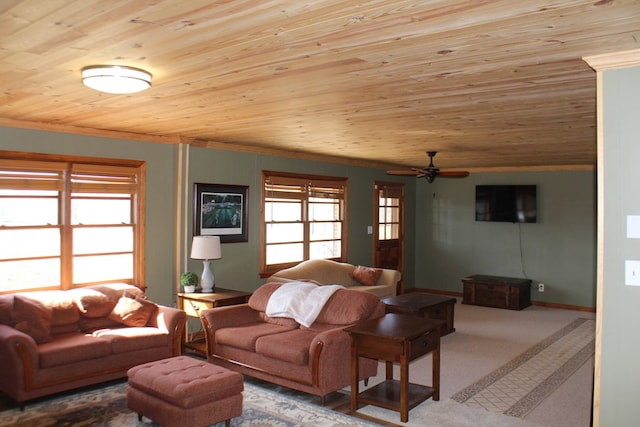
<point x="404" y="172"/>
<point x="453" y="174"/>
<point x="430" y="172"/>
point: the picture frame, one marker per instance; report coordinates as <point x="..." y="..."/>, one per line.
<point x="221" y="210"/>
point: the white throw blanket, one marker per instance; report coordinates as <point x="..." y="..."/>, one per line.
<point x="301" y="301"/>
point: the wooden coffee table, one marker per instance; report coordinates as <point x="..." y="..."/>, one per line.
<point x="425" y="305"/>
<point x="395" y="338"/>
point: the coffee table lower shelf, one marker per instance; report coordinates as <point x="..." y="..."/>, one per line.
<point x="387" y="395"/>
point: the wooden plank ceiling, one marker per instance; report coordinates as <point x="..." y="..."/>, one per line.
<point x="490" y="85"/>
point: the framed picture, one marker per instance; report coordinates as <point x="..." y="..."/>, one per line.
<point x="221" y="210"/>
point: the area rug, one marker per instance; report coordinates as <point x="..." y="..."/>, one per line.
<point x="444" y="413"/>
<point x="107" y="406"/>
<point x="520" y="385"/>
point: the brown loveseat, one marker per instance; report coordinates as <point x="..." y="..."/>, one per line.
<point x="314" y="359"/>
<point x="51" y="341"/>
<point x="327" y="272"/>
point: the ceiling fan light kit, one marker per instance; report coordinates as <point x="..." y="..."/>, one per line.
<point x="116" y="79"/>
<point x="430" y="172"/>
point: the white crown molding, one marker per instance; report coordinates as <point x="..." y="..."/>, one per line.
<point x="614" y="60"/>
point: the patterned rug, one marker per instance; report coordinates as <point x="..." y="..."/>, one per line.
<point x="519" y="386"/>
<point x="107" y="406"/>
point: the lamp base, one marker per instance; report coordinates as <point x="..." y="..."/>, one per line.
<point x="207" y="281"/>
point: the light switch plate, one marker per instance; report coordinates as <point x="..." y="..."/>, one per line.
<point x="633" y="226"/>
<point x="632" y="273"/>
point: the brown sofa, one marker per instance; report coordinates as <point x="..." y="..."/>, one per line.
<point x="329" y="272"/>
<point x="51" y="341"/>
<point x="314" y="359"/>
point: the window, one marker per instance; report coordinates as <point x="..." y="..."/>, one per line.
<point x="389" y="211"/>
<point x="66" y="223"/>
<point x="304" y="218"/>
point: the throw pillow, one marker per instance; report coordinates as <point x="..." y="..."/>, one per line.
<point x="366" y="275"/>
<point x="64" y="311"/>
<point x="92" y="303"/>
<point x="33" y="318"/>
<point x="133" y="312"/>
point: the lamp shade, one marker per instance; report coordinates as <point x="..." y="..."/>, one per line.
<point x="206" y="247"/>
<point x="116" y="78"/>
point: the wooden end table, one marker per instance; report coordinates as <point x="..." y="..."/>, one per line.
<point x="438" y="307"/>
<point x="194" y="303"/>
<point x="395" y="338"/>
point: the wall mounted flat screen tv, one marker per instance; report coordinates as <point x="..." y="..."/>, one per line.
<point x="506" y="203"/>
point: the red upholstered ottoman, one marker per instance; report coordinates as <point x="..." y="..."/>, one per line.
<point x="182" y="391"/>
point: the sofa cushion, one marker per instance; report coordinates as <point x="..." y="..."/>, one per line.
<point x="133" y="312"/>
<point x="72" y="348"/>
<point x="321" y="270"/>
<point x="291" y="346"/>
<point x="132" y="339"/>
<point x="92" y="324"/>
<point x="260" y="297"/>
<point x="347" y="306"/>
<point x="32" y="317"/>
<point x="245" y="336"/>
<point x="116" y="290"/>
<point x="282" y="321"/>
<point x="64" y="311"/>
<point x="92" y="303"/>
<point x="366" y="275"/>
<point x="6" y="308"/>
<point x="318" y="327"/>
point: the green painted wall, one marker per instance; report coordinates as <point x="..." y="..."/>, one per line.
<point x="620" y="313"/>
<point x="558" y="250"/>
<point x="444" y="243"/>
<point x="239" y="267"/>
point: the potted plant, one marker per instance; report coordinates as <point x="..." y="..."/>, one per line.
<point x="189" y="280"/>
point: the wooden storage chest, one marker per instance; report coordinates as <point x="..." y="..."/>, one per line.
<point x="496" y="291"/>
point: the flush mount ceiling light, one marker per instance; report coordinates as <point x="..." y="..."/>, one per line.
<point x="116" y="78"/>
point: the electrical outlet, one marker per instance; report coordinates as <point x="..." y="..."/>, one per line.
<point x="540" y="287"/>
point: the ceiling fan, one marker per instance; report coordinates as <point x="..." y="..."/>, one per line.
<point x="430" y="172"/>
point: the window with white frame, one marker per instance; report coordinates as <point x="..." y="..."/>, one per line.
<point x="304" y="218"/>
<point x="69" y="222"/>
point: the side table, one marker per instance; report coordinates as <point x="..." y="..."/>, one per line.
<point x="395" y="338"/>
<point x="438" y="307"/>
<point x="193" y="303"/>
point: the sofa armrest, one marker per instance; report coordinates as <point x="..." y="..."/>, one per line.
<point x="225" y="317"/>
<point x="389" y="277"/>
<point x="172" y="321"/>
<point x="230" y="316"/>
<point x="327" y="355"/>
<point x="18" y="359"/>
<point x="330" y="355"/>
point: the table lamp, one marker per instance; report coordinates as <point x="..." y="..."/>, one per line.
<point x="206" y="248"/>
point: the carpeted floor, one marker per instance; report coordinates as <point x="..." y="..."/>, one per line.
<point x="521" y="384"/>
<point x="107" y="406"/>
